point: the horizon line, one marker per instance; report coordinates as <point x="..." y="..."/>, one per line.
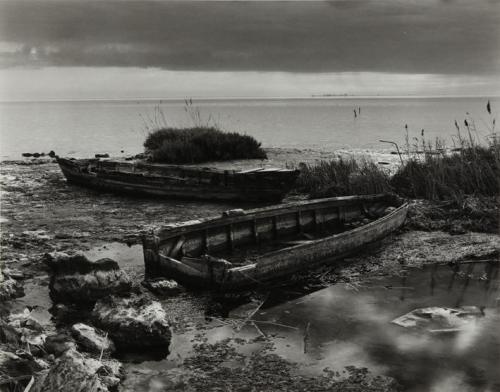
<point x="240" y="98"/>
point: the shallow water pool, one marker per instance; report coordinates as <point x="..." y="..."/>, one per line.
<point x="346" y="325"/>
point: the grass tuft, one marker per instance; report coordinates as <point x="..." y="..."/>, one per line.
<point x="200" y="144"/>
<point x="474" y="170"/>
<point x="344" y="176"/>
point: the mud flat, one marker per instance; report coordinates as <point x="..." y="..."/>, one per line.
<point x="213" y="337"/>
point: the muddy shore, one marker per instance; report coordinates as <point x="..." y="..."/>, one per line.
<point x="41" y="213"/>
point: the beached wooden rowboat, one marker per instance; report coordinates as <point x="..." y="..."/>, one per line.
<point x="244" y="248"/>
<point x="260" y="184"/>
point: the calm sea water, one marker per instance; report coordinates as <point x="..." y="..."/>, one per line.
<point x="88" y="127"/>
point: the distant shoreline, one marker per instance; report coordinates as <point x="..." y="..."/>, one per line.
<point x="208" y="99"/>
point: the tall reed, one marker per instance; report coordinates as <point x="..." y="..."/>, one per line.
<point x="471" y="167"/>
<point x="343" y="176"/>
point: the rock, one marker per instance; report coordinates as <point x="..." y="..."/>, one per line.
<point x="27" y="154"/>
<point x="388" y="210"/>
<point x="111" y="373"/>
<point x="51" y="154"/>
<point x="163" y="287"/>
<point x="9" y="288"/>
<point x="234" y="212"/>
<point x="74" y="371"/>
<point x="36" y="235"/>
<point x="92" y="340"/>
<point x="31" y="330"/>
<point x="67" y="314"/>
<point x="13" y="273"/>
<point x="62" y="236"/>
<point x="32" y="324"/>
<point x="8" y="334"/>
<point x="133" y="323"/>
<point x="59" y="344"/>
<point x="102" y="155"/>
<point x="16" y="365"/>
<point x="141" y="156"/>
<point x="75" y="279"/>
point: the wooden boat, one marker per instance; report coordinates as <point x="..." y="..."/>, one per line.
<point x="260" y="184"/>
<point x="244" y="248"/>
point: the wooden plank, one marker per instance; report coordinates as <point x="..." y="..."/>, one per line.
<point x="194" y="262"/>
<point x="255" y="231"/>
<point x="267" y="212"/>
<point x="275" y="227"/>
<point x="341" y="213"/>
<point x="249" y="170"/>
<point x="298" y="242"/>
<point x="177" y="247"/>
<point x="206" y="241"/>
<point x="299" y="221"/>
<point x="270" y="169"/>
<point x="230" y="236"/>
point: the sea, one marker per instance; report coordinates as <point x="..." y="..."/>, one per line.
<point x="357" y="124"/>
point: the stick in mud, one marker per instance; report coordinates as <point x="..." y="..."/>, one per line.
<point x="258" y="329"/>
<point x="249" y="317"/>
<point x="306" y="337"/>
<point x="102" y="348"/>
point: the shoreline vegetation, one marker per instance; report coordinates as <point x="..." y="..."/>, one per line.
<point x="204" y="141"/>
<point x="200" y="144"/>
<point x="428" y="170"/>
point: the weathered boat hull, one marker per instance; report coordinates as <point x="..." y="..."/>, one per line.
<point x="162" y="248"/>
<point x="173" y="181"/>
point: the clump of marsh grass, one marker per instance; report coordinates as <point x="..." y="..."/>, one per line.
<point x="343" y="176"/>
<point x="428" y="170"/>
<point x="200" y="144"/>
<point x="203" y="141"/>
<point x="471" y="167"/>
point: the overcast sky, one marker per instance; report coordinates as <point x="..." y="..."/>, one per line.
<point x="117" y="49"/>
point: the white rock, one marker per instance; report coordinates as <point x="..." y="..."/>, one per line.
<point x="92" y="340"/>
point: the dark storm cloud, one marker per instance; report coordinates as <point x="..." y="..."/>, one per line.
<point x="427" y="36"/>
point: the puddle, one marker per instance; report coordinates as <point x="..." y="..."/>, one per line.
<point x="347" y="325"/>
<point x="352" y="326"/>
<point x="129" y="258"/>
<point x="36" y="300"/>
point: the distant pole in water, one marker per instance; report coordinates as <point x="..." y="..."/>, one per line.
<point x="359" y="110"/>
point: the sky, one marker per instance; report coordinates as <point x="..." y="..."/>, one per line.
<point x="54" y="49"/>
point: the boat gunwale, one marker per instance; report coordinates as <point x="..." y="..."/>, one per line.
<point x="312" y="243"/>
<point x="165" y="232"/>
<point x="144" y="165"/>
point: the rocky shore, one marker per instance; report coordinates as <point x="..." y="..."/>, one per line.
<point x="66" y="317"/>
